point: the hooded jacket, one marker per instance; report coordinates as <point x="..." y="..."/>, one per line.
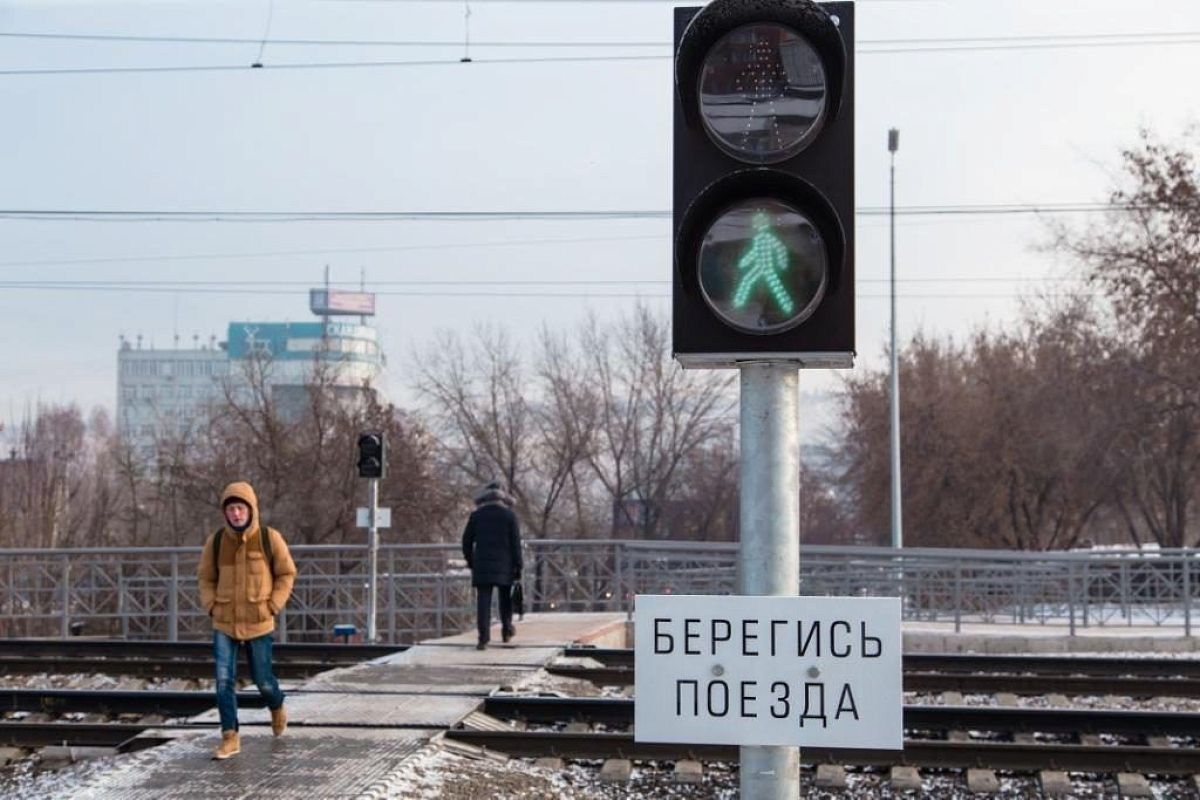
<point x="242" y="596"/>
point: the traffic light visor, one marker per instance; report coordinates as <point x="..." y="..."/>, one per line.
<point x="763" y="266"/>
<point x="763" y="93"/>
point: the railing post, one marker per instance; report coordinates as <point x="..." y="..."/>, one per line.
<point x="173" y="600"/>
<point x="441" y="606"/>
<point x="66" y="596"/>
<point x="1087" y="590"/>
<point x="391" y="590"/>
<point x="1187" y="595"/>
<point x="1071" y="595"/>
<point x="958" y="596"/>
<point x="619" y="556"/>
<point x="122" y="601"/>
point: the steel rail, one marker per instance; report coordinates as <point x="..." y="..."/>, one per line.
<point x="970" y="662"/>
<point x="110" y="701"/>
<point x="145" y="668"/>
<point x="125" y="648"/>
<point x="917" y="753"/>
<point x="968" y="683"/>
<point x="619" y="711"/>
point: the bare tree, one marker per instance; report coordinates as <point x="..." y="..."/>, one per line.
<point x="1144" y="257"/>
<point x="651" y="414"/>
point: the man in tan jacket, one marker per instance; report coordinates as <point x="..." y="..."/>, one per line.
<point x="246" y="575"/>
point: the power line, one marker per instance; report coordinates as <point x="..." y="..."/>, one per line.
<point x="96" y="215"/>
<point x="121" y="37"/>
<point x="321" y="65"/>
<point x="186" y="284"/>
<point x="326" y="251"/>
<point x="488" y="294"/>
<point x="866" y="45"/>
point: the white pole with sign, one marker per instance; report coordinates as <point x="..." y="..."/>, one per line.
<point x="769" y="670"/>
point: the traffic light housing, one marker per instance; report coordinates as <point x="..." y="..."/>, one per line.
<point x="763" y="209"/>
<point x="372" y="455"/>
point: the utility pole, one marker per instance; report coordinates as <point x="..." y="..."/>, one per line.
<point x="897" y="522"/>
<point x="373" y="549"/>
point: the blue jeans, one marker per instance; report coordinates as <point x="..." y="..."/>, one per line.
<point x="258" y="656"/>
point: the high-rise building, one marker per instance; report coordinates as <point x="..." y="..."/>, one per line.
<point x="162" y="393"/>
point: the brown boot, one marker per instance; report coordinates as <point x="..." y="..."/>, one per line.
<point x="230" y="745"/>
<point x="278" y="721"/>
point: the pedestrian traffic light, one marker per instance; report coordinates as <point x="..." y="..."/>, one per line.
<point x="764" y="183"/>
<point x="372" y="460"/>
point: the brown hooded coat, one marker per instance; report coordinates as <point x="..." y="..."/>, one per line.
<point x="243" y="597"/>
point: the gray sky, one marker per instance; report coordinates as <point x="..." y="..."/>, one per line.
<point x="1012" y="121"/>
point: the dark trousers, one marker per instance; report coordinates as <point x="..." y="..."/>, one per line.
<point x="258" y="657"/>
<point x="483" y="607"/>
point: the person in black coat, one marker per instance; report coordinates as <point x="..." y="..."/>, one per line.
<point x="491" y="544"/>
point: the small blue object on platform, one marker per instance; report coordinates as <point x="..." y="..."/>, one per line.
<point x="344" y="631"/>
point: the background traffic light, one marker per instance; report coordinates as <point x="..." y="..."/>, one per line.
<point x="763" y="205"/>
<point x="372" y="456"/>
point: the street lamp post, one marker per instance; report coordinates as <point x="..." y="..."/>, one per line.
<point x="897" y="524"/>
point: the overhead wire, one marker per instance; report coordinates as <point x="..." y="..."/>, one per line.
<point x="248" y="216"/>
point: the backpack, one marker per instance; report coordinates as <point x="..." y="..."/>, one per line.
<point x="264" y="536"/>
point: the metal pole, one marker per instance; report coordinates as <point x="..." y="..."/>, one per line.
<point x="173" y="601"/>
<point x="1187" y="596"/>
<point x="373" y="547"/>
<point x="897" y="526"/>
<point x="769" y="555"/>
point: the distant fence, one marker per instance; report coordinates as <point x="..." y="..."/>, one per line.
<point x="424" y="590"/>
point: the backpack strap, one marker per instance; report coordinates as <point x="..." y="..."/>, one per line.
<point x="217" y="537"/>
<point x="264" y="536"/>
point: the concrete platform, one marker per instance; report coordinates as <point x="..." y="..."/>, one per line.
<point x="350" y="729"/>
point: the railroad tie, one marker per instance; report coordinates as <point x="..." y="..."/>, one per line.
<point x="1054" y="783"/>
<point x="830" y="776"/>
<point x="616" y="770"/>
<point x="1133" y="784"/>
<point x="689" y="771"/>
<point x="550" y="763"/>
<point x="1006" y="699"/>
<point x="906" y="779"/>
<point x="952" y="698"/>
<point x="982" y="781"/>
<point x="1158" y="741"/>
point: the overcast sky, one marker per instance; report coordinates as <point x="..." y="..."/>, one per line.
<point x="1003" y="113"/>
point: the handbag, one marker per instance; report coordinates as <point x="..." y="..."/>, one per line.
<point x="518" y="599"/>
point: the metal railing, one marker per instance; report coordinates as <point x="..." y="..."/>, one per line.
<point x="424" y="590"/>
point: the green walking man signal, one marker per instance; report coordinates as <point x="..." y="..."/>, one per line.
<point x="764" y="260"/>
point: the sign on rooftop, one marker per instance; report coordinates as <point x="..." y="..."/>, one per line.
<point x="336" y="301"/>
<point x="805" y="671"/>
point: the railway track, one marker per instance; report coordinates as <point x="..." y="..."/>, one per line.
<point x="973" y="662"/>
<point x="977" y="674"/>
<point x="167" y="659"/>
<point x="916" y="753"/>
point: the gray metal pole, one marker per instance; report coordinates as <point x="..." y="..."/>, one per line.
<point x="897" y="526"/>
<point x="769" y="555"/>
<point x="373" y="548"/>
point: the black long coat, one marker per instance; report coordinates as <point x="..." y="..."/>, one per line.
<point x="491" y="544"/>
